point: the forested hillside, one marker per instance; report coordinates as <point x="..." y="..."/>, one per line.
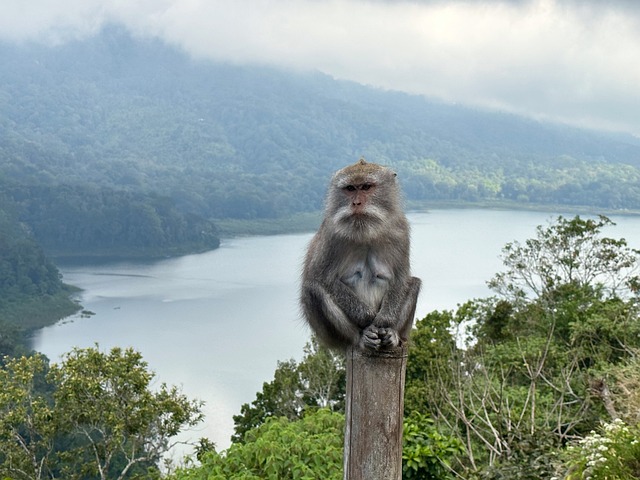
<point x="95" y="220"/>
<point x="31" y="291"/>
<point x="222" y="141"/>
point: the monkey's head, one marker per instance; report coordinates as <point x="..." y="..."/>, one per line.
<point x="362" y="198"/>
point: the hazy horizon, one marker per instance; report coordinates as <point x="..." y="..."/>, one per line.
<point x="561" y="60"/>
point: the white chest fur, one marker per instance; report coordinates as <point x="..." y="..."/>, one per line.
<point x="369" y="276"/>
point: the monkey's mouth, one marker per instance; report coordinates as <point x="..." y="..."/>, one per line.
<point x="367" y="216"/>
<point x="363" y="221"/>
<point x="361" y="227"/>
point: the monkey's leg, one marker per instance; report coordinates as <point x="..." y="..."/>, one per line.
<point x="359" y="313"/>
<point x="395" y="319"/>
<point x="408" y="311"/>
<point x="355" y="309"/>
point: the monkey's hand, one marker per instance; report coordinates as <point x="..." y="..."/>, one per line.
<point x="375" y="338"/>
<point x="370" y="338"/>
<point x="389" y="338"/>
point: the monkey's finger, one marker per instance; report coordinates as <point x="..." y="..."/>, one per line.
<point x="389" y="338"/>
<point x="370" y="338"/>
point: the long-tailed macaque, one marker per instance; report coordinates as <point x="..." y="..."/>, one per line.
<point x="357" y="288"/>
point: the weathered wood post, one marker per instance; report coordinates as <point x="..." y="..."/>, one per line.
<point x="374" y="414"/>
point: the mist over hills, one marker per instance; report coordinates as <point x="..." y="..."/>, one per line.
<point x="120" y="113"/>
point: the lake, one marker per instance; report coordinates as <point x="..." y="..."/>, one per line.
<point x="217" y="323"/>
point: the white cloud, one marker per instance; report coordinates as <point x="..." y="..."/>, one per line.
<point x="563" y="60"/>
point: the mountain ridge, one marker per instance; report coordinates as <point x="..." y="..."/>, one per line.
<point x="230" y="141"/>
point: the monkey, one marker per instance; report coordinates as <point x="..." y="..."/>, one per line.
<point x="357" y="289"/>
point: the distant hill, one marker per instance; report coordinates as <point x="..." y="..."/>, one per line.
<point x="119" y="113"/>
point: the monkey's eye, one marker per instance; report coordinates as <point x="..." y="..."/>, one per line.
<point x="366" y="186"/>
<point x="350" y="188"/>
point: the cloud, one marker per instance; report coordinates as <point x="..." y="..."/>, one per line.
<point x="571" y="61"/>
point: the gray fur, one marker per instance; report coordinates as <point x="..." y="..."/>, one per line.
<point x="357" y="288"/>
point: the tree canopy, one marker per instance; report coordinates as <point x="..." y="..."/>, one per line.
<point x="94" y="415"/>
<point x="304" y="449"/>
<point x="547" y="359"/>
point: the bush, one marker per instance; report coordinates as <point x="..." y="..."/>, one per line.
<point x="613" y="454"/>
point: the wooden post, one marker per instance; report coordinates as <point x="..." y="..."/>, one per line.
<point x="374" y="413"/>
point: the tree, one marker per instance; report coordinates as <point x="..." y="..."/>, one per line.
<point x="569" y="252"/>
<point x="319" y="380"/>
<point x="27" y="419"/>
<point x="432" y="343"/>
<point x="322" y="377"/>
<point x="427" y="454"/>
<point x="12" y="341"/>
<point x="31" y="290"/>
<point x="105" y="401"/>
<point x="311" y="447"/>
<point x="549" y="357"/>
<point x="279" y="398"/>
<point x="280" y="448"/>
<point x="93" y="415"/>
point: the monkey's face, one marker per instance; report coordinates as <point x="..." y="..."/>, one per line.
<point x="358" y="197"/>
<point x="362" y="199"/>
<point x="360" y="209"/>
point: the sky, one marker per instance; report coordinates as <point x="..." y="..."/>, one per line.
<point x="570" y="61"/>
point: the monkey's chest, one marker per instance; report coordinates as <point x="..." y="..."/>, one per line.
<point x="369" y="278"/>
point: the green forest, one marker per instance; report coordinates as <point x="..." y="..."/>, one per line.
<point x="222" y="141"/>
<point x="31" y="290"/>
<point x="100" y="221"/>
<point x="538" y="380"/>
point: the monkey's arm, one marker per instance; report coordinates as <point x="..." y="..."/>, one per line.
<point x="335" y="313"/>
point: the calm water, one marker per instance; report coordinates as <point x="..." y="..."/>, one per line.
<point x="217" y="323"/>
